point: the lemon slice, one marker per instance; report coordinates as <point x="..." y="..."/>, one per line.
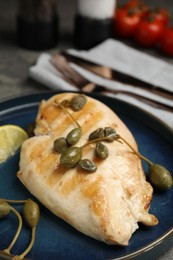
<point x="11" y="138"/>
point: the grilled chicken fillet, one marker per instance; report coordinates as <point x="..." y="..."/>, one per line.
<point x="107" y="204"/>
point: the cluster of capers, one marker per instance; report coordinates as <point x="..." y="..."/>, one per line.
<point x="31" y="215"/>
<point x="71" y="156"/>
<point x="160" y="177"/>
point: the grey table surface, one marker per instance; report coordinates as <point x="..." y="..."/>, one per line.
<point x="15" y="61"/>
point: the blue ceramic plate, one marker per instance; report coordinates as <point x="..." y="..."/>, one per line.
<point x="55" y="239"/>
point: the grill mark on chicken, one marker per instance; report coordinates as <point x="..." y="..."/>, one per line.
<point x="99" y="202"/>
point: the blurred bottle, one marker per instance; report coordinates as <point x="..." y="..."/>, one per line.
<point x="93" y="22"/>
<point x="37" y="24"/>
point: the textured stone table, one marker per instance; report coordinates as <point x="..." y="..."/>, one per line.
<point x="15" y="62"/>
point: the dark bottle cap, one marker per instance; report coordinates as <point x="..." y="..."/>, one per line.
<point x="37" y="35"/>
<point x="90" y="32"/>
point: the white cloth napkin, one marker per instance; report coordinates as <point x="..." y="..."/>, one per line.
<point x="107" y="54"/>
<point x="125" y="59"/>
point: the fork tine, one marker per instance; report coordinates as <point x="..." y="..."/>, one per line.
<point x="61" y="63"/>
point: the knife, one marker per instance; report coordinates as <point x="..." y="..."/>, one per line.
<point x="61" y="63"/>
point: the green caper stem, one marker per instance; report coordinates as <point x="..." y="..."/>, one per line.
<point x="30" y="245"/>
<point x="95" y="141"/>
<point x="7" y="250"/>
<point x="136" y="152"/>
<point x="116" y="139"/>
<point x="14" y="201"/>
<point x="16" y="257"/>
<point x="66" y="111"/>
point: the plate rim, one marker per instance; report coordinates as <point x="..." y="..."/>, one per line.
<point x="94" y="94"/>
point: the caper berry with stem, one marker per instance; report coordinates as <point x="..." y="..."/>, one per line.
<point x="160" y="177"/>
<point x="74" y="136"/>
<point x="5" y="208"/>
<point x="31" y="213"/>
<point x="60" y="145"/>
<point x="87" y="165"/>
<point x="13" y="210"/>
<point x="101" y="150"/>
<point x="78" y="102"/>
<point x="70" y="157"/>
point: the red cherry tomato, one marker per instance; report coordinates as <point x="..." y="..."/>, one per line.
<point x="149" y="33"/>
<point x="126" y="22"/>
<point x="140" y="6"/>
<point x="166" y="42"/>
<point x="160" y="14"/>
<point x="132" y="3"/>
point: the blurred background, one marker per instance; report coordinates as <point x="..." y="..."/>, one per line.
<point x="66" y="10"/>
<point x="15" y="61"/>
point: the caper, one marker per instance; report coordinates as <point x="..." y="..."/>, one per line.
<point x="101" y="151"/>
<point x="5" y="209"/>
<point x="78" y="102"/>
<point x="70" y="157"/>
<point x="60" y="145"/>
<point x="31" y="213"/>
<point x="110" y="132"/>
<point x="99" y="133"/>
<point x="87" y="165"/>
<point x="65" y="103"/>
<point x="160" y="177"/>
<point x="74" y="136"/>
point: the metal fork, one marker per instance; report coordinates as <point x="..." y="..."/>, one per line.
<point x="61" y="63"/>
